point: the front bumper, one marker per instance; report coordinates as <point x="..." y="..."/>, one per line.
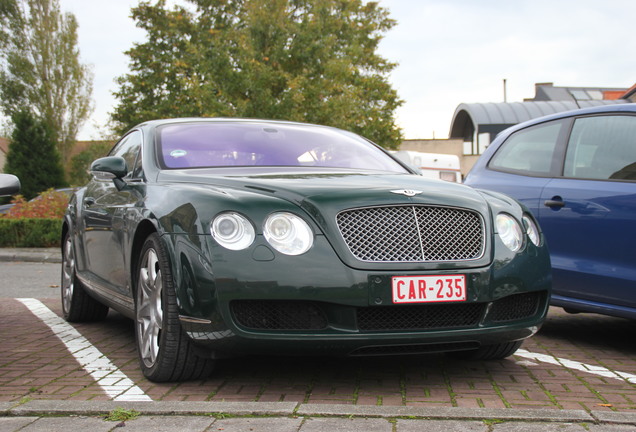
<point x="265" y="327"/>
<point x="252" y="302"/>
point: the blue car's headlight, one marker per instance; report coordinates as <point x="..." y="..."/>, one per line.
<point x="232" y="231"/>
<point x="509" y="231"/>
<point x="288" y="233"/>
<point x="532" y="230"/>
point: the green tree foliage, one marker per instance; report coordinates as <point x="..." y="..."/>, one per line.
<point x="9" y="13"/>
<point x="303" y="60"/>
<point x="33" y="156"/>
<point x="41" y="70"/>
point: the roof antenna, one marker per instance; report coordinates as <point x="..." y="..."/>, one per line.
<point x="505" y="91"/>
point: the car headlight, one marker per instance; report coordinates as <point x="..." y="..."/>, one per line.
<point x="232" y="231"/>
<point x="532" y="230"/>
<point x="288" y="233"/>
<point x="509" y="231"/>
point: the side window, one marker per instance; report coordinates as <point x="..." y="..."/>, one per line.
<point x="128" y="148"/>
<point x="529" y="151"/>
<point x="603" y="148"/>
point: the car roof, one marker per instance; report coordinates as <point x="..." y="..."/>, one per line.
<point x="603" y="109"/>
<point x="159" y="122"/>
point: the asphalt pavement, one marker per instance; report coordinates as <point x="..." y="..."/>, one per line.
<point x="194" y="416"/>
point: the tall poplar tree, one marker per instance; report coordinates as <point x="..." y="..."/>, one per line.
<point x="302" y="60"/>
<point x="9" y="12"/>
<point x="41" y="69"/>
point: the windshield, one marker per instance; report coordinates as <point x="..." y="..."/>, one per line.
<point x="231" y="144"/>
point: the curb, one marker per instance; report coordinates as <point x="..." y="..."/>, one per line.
<point x="286" y="409"/>
<point x="41" y="255"/>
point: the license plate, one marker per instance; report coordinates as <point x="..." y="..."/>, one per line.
<point x="428" y="289"/>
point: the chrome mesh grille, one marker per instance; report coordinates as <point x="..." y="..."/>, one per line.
<point x="412" y="233"/>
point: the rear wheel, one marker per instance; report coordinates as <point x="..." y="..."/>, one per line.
<point x="165" y="351"/>
<point x="77" y="305"/>
<point x="489" y="352"/>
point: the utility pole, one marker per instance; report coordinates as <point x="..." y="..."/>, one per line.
<point x="505" y="92"/>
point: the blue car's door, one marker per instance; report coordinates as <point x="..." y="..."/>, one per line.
<point x="589" y="214"/>
<point x="591" y="227"/>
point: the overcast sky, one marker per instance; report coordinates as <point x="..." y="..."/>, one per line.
<point x="448" y="52"/>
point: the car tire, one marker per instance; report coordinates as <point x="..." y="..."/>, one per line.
<point x="77" y="305"/>
<point x="489" y="352"/>
<point x="165" y="351"/>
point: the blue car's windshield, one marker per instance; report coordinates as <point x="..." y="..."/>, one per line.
<point x="230" y="144"/>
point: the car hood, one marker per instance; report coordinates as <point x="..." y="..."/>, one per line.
<point x="323" y="195"/>
<point x="337" y="188"/>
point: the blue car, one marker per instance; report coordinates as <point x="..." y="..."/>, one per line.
<point x="576" y="171"/>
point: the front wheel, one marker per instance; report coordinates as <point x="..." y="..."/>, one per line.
<point x="165" y="351"/>
<point x="489" y="352"/>
<point x="77" y="305"/>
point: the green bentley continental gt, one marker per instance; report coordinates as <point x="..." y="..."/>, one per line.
<point x="228" y="237"/>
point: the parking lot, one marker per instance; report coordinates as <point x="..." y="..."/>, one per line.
<point x="582" y="362"/>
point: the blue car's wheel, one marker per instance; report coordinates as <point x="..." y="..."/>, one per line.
<point x="77" y="305"/>
<point x="165" y="351"/>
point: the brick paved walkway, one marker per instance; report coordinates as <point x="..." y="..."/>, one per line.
<point x="34" y="364"/>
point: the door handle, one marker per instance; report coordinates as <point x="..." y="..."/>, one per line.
<point x="554" y="203"/>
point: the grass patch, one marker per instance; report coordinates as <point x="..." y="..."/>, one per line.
<point x="492" y="422"/>
<point x="121" y="414"/>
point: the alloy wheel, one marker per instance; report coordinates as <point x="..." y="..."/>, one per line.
<point x="149" y="308"/>
<point x="68" y="274"/>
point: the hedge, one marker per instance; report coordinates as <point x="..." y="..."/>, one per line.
<point x="30" y="232"/>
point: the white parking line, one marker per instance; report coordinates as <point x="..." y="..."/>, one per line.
<point x="571" y="364"/>
<point x="113" y="381"/>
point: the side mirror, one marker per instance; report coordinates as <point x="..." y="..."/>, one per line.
<point x="9" y="185"/>
<point x="109" y="167"/>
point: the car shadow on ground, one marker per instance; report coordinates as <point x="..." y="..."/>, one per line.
<point x="590" y="330"/>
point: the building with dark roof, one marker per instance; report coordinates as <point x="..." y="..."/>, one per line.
<point x="548" y="92"/>
<point x="478" y="123"/>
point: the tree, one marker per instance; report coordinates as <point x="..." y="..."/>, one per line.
<point x="33" y="156"/>
<point x="9" y="13"/>
<point x="41" y="69"/>
<point x="302" y="60"/>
